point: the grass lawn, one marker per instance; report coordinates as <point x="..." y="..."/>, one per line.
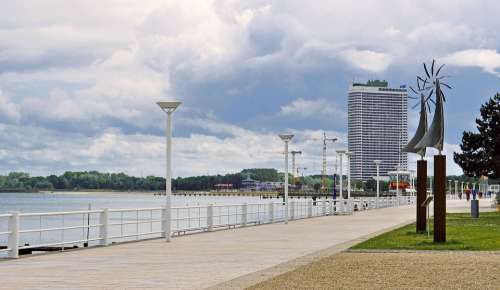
<point x="462" y="233"/>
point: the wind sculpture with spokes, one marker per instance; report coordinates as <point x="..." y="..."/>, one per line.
<point x="433" y="137"/>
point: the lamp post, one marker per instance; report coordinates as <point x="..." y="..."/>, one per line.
<point x="397" y="182"/>
<point x="340" y="152"/>
<point x="431" y="185"/>
<point x="348" y="154"/>
<point x="286" y="137"/>
<point x="377" y="163"/>
<point x="168" y="107"/>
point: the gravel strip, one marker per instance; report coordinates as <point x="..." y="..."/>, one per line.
<point x="437" y="270"/>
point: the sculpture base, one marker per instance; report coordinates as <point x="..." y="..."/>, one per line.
<point x="439" y="198"/>
<point x="421" y="195"/>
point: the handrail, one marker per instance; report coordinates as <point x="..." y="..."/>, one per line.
<point x="134" y="209"/>
<point x="101" y="225"/>
<point x="55" y="213"/>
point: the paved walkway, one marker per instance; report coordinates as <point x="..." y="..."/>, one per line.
<point x="195" y="261"/>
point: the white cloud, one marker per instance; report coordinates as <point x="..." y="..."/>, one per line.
<point x="9" y="111"/>
<point x="312" y="108"/>
<point x="367" y="60"/>
<point x="43" y="151"/>
<point x="119" y="87"/>
<point x="487" y="59"/>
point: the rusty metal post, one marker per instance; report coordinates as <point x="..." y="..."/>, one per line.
<point x="421" y="195"/>
<point x="440" y="198"/>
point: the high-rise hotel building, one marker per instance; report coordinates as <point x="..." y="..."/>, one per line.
<point x="377" y="128"/>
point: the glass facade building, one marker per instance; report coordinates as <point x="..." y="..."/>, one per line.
<point x="377" y="128"/>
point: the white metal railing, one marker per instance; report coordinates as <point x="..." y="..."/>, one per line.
<point x="61" y="230"/>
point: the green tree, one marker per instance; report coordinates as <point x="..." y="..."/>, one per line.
<point x="481" y="151"/>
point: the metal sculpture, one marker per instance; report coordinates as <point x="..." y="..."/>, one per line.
<point x="422" y="124"/>
<point x="434" y="138"/>
<point x="435" y="135"/>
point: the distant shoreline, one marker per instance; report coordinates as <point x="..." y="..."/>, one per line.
<point x="82" y="191"/>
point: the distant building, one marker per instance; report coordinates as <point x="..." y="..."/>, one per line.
<point x="249" y="184"/>
<point x="377" y="128"/>
<point x="269" y="185"/>
<point x="224" y="187"/>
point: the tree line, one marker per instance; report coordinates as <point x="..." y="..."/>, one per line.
<point x="94" y="180"/>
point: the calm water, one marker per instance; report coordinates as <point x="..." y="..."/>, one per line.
<point x="46" y="202"/>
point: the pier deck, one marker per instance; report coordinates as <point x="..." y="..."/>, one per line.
<point x="197" y="261"/>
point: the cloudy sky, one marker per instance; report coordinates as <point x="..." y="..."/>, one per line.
<point x="79" y="79"/>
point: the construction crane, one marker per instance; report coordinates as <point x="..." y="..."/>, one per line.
<point x="325" y="140"/>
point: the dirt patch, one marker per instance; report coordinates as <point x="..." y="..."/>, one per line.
<point x="437" y="270"/>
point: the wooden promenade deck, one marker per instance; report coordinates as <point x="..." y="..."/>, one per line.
<point x="196" y="261"/>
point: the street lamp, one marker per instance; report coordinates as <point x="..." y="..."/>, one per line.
<point x="168" y="107"/>
<point x="377" y="163"/>
<point x="348" y="154"/>
<point x="397" y="182"/>
<point x="431" y="185"/>
<point x="340" y="152"/>
<point x="286" y="137"/>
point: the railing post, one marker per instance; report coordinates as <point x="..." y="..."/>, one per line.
<point x="271" y="212"/>
<point x="292" y="208"/>
<point x="244" y="212"/>
<point x="103" y="232"/>
<point x="309" y="208"/>
<point x="163" y="222"/>
<point x="13" y="240"/>
<point x="210" y="217"/>
<point x="323" y="206"/>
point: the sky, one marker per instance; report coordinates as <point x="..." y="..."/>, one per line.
<point x="79" y="79"/>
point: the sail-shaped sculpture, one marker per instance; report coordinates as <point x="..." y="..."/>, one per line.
<point x="435" y="135"/>
<point x="421" y="130"/>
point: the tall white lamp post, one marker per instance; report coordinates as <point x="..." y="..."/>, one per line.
<point x="431" y="185"/>
<point x="377" y="163"/>
<point x="286" y="138"/>
<point x="168" y="107"/>
<point x="340" y="152"/>
<point x="397" y="183"/>
<point x="348" y="154"/>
